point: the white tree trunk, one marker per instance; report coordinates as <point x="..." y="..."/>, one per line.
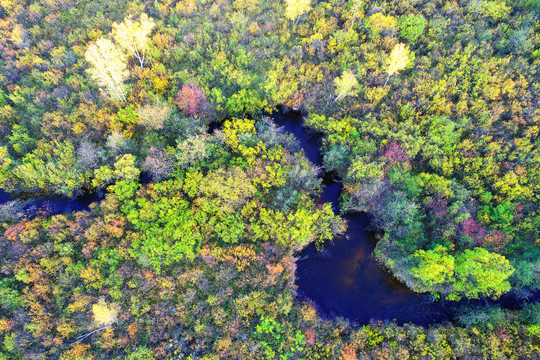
<point x="386" y="82"/>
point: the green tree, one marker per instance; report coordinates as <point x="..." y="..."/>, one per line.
<point x="435" y="268"/>
<point x="5" y="165"/>
<point x="411" y="26"/>
<point x="20" y="140"/>
<point x="51" y="168"/>
<point x="480" y="272"/>
<point x="167" y="229"/>
<point x="124" y="169"/>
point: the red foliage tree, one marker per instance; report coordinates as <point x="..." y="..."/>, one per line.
<point x="310" y="336"/>
<point x="192" y="100"/>
<point x="474" y="230"/>
<point x="494" y="240"/>
<point x="395" y="153"/>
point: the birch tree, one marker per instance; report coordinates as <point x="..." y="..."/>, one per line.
<point x="132" y="35"/>
<point x="105" y="315"/>
<point x="357" y="3"/>
<point x="345" y="85"/>
<point x="399" y="58"/>
<point x="108" y="67"/>
<point x="296" y="8"/>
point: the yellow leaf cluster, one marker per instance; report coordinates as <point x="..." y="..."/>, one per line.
<point x="133" y="35"/>
<point x="399" y="58"/>
<point x="295" y="8"/>
<point x="105" y="314"/>
<point x="109" y="68"/>
<point x="241" y="256"/>
<point x="379" y="22"/>
<point x="345" y="85"/>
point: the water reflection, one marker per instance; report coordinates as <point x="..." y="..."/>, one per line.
<point x="350" y="283"/>
<point x="55" y="204"/>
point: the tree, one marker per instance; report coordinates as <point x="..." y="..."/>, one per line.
<point x="89" y="155"/>
<point x="336" y="158"/>
<point x="399" y="58"/>
<point x="435" y="267"/>
<point x="133" y="35"/>
<point x="357" y="3"/>
<point x="19" y="37"/>
<point x="20" y="140"/>
<point x="153" y="116"/>
<point x="345" y="85"/>
<point x="158" y="163"/>
<point x="51" y="168"/>
<point x="480" y="272"/>
<point x="379" y="23"/>
<point x="108" y="67"/>
<point x="296" y="8"/>
<point x="124" y="169"/>
<point x="411" y="26"/>
<point x="105" y="315"/>
<point x="167" y="228"/>
<point x="229" y="188"/>
<point x="5" y="165"/>
<point x="192" y="150"/>
<point x="192" y="100"/>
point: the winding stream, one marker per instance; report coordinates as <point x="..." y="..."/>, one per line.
<point x="342" y="280"/>
<point x="345" y="280"/>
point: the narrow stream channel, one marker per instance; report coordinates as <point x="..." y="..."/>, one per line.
<point x="52" y="205"/>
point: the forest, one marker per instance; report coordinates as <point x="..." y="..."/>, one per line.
<point x="428" y="114"/>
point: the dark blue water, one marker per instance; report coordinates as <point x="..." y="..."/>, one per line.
<point x="4" y="197"/>
<point x="345" y="280"/>
<point x="310" y="143"/>
<point x="54" y="205"/>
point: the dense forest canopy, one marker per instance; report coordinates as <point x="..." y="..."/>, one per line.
<point x="429" y="116"/>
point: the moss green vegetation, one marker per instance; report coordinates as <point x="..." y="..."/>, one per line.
<point x="429" y="115"/>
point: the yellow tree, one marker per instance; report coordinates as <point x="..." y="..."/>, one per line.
<point x="108" y="67"/>
<point x="435" y="269"/>
<point x="345" y="85"/>
<point x="399" y="58"/>
<point x="296" y="8"/>
<point x="132" y="35"/>
<point x="105" y="315"/>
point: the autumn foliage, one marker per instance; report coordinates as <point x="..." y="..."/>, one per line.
<point x="427" y="114"/>
<point x="192" y="101"/>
